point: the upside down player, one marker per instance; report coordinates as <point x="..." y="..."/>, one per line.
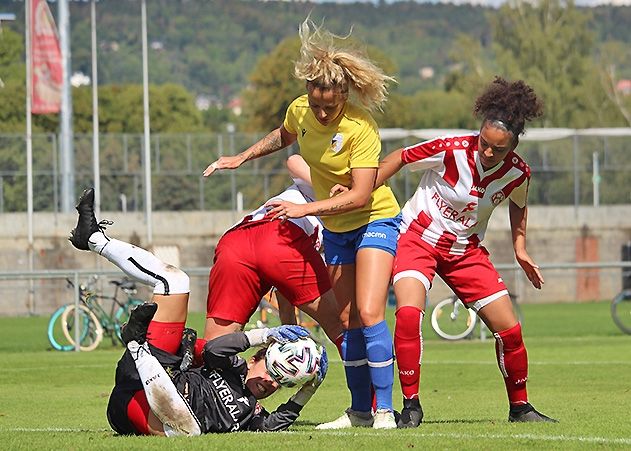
<point x="156" y="392"/>
<point x="465" y="178"/>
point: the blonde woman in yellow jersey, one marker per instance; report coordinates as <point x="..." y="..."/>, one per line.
<point x="340" y="142"/>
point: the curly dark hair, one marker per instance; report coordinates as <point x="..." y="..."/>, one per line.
<point x="512" y="103"/>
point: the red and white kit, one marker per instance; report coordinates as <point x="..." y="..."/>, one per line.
<point x="446" y="218"/>
<point x="298" y="193"/>
<point x="258" y="253"/>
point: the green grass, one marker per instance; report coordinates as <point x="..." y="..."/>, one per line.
<point x="580" y="373"/>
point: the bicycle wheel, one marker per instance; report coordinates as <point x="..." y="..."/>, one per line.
<point x="122" y="315"/>
<point x="451" y="320"/>
<point x="56" y="336"/>
<point x="90" y="332"/>
<point x="621" y="311"/>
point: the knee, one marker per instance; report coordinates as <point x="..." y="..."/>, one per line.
<point x="172" y="281"/>
<point x="511" y="338"/>
<point x="370" y="316"/>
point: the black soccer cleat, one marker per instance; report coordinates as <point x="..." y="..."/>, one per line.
<point x="526" y="413"/>
<point x="187" y="347"/>
<point x="86" y="224"/>
<point x="411" y="415"/>
<point x="135" y="329"/>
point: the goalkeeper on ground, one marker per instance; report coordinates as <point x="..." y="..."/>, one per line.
<point x="156" y="390"/>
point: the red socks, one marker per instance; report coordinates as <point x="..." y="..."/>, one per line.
<point x="513" y="362"/>
<point x="166" y="336"/>
<point x="408" y="346"/>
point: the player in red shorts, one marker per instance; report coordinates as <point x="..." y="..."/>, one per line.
<point x="466" y="177"/>
<point x="259" y="253"/>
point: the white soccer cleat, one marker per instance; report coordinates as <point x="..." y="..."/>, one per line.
<point x="350" y="419"/>
<point x="384" y="419"/>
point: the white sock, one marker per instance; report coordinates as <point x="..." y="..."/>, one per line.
<point x="140" y="265"/>
<point x="163" y="398"/>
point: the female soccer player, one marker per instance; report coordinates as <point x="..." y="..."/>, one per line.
<point x="340" y="142"/>
<point x="261" y="252"/>
<point x="222" y="395"/>
<point x="466" y="177"/>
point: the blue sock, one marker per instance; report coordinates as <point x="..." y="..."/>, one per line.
<point x="380" y="362"/>
<point x="356" y="369"/>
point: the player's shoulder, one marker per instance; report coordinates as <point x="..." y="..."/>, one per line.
<point x="517" y="162"/>
<point x="359" y="116"/>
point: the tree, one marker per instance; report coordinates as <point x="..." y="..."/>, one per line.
<point x="548" y="43"/>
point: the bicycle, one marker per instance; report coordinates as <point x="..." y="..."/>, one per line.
<point x="451" y="320"/>
<point x="94" y="320"/>
<point x="621" y="311"/>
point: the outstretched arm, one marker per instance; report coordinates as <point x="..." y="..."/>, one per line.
<point x="274" y="141"/>
<point x="518" y="220"/>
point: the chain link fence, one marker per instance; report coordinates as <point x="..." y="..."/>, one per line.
<point x="569" y="168"/>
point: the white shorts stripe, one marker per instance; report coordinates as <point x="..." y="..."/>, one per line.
<point x="477" y="305"/>
<point x="414" y="275"/>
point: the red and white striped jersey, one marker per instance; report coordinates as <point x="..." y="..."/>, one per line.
<point x="456" y="196"/>
<point x="298" y="193"/>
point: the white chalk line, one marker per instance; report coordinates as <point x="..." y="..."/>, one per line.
<point x="544" y="438"/>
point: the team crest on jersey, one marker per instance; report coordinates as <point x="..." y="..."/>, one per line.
<point x="498" y="198"/>
<point x="336" y="143"/>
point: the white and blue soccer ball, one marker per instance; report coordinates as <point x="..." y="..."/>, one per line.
<point x="293" y="363"/>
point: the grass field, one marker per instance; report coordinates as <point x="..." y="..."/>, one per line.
<point x="580" y="373"/>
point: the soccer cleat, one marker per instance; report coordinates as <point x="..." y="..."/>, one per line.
<point x="86" y="224"/>
<point x="384" y="419"/>
<point x="411" y="415"/>
<point x="526" y="413"/>
<point x="349" y="419"/>
<point x="135" y="329"/>
<point x="187" y="347"/>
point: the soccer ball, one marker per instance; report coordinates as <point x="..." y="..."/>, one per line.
<point x="293" y="363"/>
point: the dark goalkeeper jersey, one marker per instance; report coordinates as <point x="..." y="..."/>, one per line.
<point x="216" y="393"/>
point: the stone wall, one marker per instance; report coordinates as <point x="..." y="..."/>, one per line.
<point x="556" y="236"/>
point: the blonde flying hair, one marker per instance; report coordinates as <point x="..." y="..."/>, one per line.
<point x="324" y="65"/>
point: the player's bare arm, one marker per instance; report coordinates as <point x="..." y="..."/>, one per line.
<point x="362" y="182"/>
<point x="389" y="166"/>
<point x="518" y="221"/>
<point x="275" y="140"/>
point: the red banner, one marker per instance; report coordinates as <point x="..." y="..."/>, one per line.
<point x="47" y="73"/>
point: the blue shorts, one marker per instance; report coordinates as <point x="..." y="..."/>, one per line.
<point x="340" y="248"/>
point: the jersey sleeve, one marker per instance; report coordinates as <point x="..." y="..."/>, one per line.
<point x="519" y="195"/>
<point x="279" y="420"/>
<point x="221" y="352"/>
<point x="290" y="123"/>
<point x="366" y="147"/>
<point x="425" y="155"/>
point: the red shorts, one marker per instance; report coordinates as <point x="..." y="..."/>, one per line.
<point x="471" y="276"/>
<point x="253" y="258"/>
